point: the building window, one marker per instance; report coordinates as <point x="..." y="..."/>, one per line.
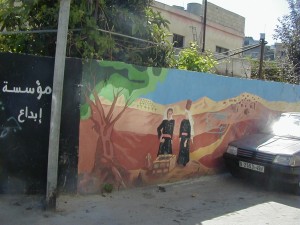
<point x="222" y="50"/>
<point x="178" y="40"/>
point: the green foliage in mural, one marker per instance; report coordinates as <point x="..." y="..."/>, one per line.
<point x="107" y="78"/>
<point x="191" y="59"/>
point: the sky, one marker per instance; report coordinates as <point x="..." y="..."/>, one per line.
<point x="183" y="84"/>
<point x="261" y="16"/>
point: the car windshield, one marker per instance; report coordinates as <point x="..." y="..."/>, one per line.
<point x="287" y="125"/>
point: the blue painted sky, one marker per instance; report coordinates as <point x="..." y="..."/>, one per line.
<point x="181" y="85"/>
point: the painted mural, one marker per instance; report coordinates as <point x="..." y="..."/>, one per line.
<point x="142" y="126"/>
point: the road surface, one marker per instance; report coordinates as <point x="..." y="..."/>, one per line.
<point x="217" y="199"/>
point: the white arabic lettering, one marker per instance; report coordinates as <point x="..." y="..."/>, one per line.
<point x="27" y="90"/>
<point x="40" y="91"/>
<point x="24" y="115"/>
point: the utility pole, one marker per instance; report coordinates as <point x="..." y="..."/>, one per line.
<point x="262" y="49"/>
<point x="59" y="69"/>
<point x="204" y="25"/>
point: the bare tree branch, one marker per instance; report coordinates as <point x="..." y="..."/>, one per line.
<point x="123" y="110"/>
<point x="99" y="106"/>
<point x="116" y="96"/>
<point x="95" y="113"/>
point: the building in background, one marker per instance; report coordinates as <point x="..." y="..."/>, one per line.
<point x="269" y="51"/>
<point x="224" y="32"/>
<point x="252" y="53"/>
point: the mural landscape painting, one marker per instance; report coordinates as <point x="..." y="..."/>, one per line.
<point x="118" y="134"/>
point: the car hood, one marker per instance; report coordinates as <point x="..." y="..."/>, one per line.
<point x="268" y="143"/>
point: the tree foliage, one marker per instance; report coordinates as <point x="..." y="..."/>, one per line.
<point x="272" y="70"/>
<point x="191" y="59"/>
<point x="288" y="32"/>
<point x="98" y="29"/>
<point x="120" y="19"/>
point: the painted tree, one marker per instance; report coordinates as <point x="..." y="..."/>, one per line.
<point x="105" y="165"/>
<point x="114" y="82"/>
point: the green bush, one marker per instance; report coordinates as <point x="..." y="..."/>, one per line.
<point x="192" y="59"/>
<point x="107" y="188"/>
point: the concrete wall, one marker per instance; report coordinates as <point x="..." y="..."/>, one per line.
<point x="25" y="107"/>
<point x="235" y="67"/>
<point x="224" y="28"/>
<point x="181" y="22"/>
<point x="125" y="148"/>
<point x="225" y="18"/>
<point x="115" y="137"/>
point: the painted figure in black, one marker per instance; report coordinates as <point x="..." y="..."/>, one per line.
<point x="186" y="133"/>
<point x="165" y="133"/>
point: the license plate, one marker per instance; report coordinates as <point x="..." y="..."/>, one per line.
<point x="252" y="166"/>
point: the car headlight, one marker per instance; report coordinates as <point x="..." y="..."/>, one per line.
<point x="232" y="150"/>
<point x="295" y="160"/>
<point x="287" y="160"/>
